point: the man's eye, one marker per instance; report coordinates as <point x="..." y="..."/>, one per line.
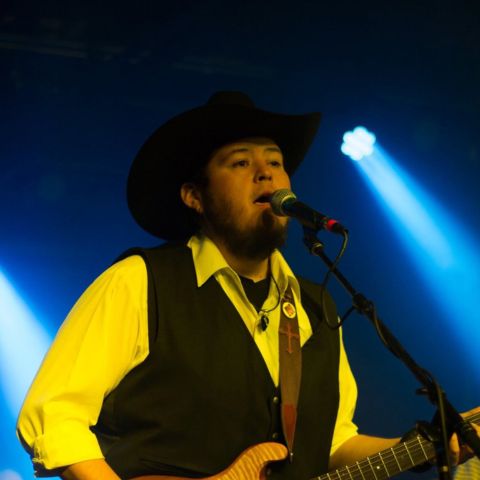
<point x="276" y="163"/>
<point x="240" y="163"/>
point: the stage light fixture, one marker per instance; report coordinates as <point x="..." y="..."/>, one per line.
<point x="443" y="250"/>
<point x="358" y="143"/>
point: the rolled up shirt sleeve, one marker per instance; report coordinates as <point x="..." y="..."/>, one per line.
<point x="104" y="336"/>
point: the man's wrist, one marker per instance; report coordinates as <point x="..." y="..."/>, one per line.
<point x="89" y="470"/>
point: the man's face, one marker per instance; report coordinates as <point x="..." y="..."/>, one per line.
<point x="241" y="176"/>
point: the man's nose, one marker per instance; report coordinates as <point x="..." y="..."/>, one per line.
<point x="263" y="173"/>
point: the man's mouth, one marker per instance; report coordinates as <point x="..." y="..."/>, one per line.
<point x="263" y="199"/>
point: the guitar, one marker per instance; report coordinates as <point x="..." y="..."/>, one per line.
<point x="252" y="464"/>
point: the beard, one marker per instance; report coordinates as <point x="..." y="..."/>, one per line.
<point x="254" y="242"/>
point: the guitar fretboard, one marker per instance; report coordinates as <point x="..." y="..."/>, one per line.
<point x="390" y="462"/>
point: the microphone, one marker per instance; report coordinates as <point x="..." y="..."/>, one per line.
<point x="285" y="204"/>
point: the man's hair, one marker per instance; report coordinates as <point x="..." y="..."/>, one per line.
<point x="200" y="180"/>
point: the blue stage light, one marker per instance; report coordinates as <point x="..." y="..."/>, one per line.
<point x="445" y="253"/>
<point x="10" y="475"/>
<point x="23" y="343"/>
<point x="358" y="143"/>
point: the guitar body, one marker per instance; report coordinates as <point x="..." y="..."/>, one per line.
<point x="250" y="465"/>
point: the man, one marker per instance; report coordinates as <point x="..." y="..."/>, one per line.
<point x="179" y="358"/>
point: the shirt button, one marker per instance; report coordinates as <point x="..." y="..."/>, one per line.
<point x="276" y="400"/>
<point x="275" y="435"/>
<point x="268" y="472"/>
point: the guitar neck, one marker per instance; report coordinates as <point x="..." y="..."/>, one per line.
<point x="390" y="462"/>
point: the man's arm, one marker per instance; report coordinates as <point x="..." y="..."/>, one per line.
<point x="361" y="446"/>
<point x="89" y="470"/>
<point x="88" y="358"/>
<point x="357" y="448"/>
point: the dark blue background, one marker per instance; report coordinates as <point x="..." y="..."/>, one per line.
<point x="83" y="84"/>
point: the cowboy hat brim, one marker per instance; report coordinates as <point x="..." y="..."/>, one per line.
<point x="181" y="147"/>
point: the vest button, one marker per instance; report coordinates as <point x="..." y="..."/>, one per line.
<point x="276" y="400"/>
<point x="275" y="435"/>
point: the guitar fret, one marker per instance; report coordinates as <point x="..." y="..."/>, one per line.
<point x="360" y="470"/>
<point x="344" y="473"/>
<point x="408" y="451"/>
<point x="423" y="450"/>
<point x="403" y="457"/>
<point x="395" y="457"/>
<point x="381" y="458"/>
<point x="371" y="466"/>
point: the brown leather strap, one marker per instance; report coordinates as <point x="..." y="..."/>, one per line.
<point x="290" y="366"/>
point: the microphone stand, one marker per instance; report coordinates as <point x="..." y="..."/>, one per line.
<point x="448" y="418"/>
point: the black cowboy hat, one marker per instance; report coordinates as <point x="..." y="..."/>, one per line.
<point x="181" y="147"/>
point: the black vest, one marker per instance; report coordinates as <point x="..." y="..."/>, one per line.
<point x="204" y="394"/>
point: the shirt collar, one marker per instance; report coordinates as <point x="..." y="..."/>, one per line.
<point x="207" y="258"/>
<point x="208" y="261"/>
<point x="283" y="274"/>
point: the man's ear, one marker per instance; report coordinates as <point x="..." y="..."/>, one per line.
<point x="191" y="197"/>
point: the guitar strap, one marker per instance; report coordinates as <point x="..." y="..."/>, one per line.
<point x="290" y="366"/>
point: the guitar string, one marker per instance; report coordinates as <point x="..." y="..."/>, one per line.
<point x="368" y="466"/>
<point x="392" y="457"/>
<point x="414" y="446"/>
<point x="416" y="449"/>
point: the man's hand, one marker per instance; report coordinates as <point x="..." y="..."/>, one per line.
<point x="461" y="453"/>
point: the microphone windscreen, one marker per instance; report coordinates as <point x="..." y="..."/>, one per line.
<point x="278" y="198"/>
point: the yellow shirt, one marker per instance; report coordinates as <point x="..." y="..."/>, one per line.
<point x="106" y="335"/>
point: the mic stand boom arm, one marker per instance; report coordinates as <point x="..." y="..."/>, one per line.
<point x="448" y="415"/>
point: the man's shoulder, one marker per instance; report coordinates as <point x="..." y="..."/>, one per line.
<point x="310" y="288"/>
<point x="307" y="283"/>
<point x="316" y="298"/>
<point x="165" y="250"/>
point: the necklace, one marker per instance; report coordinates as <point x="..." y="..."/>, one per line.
<point x="264" y="320"/>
